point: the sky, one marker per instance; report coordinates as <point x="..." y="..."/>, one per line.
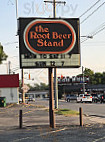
<point x="92" y="23"/>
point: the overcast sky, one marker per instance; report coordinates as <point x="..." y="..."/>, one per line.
<point x="92" y="23"/>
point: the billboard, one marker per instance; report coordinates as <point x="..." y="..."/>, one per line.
<point x="45" y="43"/>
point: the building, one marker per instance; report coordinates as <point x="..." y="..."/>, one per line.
<point x="9" y="87"/>
<point x="78" y="88"/>
<point x="37" y="94"/>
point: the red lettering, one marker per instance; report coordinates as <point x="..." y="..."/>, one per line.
<point x="33" y="35"/>
<point x="40" y="42"/>
<point x="41" y="29"/>
<point x="55" y="35"/>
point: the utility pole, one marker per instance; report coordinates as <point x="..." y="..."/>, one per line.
<point x="55" y="88"/>
<point x="9" y="67"/>
<point x="16" y="1"/>
<point x="83" y="80"/>
<point x="22" y="78"/>
<point x="54" y="2"/>
<point x="51" y="101"/>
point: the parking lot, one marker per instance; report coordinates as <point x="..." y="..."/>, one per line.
<point x="36" y="123"/>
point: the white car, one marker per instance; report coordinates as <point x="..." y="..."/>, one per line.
<point x="84" y="98"/>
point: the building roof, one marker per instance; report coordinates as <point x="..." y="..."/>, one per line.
<point x="8" y="81"/>
<point x="38" y="92"/>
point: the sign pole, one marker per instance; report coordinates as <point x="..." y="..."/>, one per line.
<point x="51" y="99"/>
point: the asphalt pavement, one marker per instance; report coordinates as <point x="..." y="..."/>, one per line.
<point x="36" y="126"/>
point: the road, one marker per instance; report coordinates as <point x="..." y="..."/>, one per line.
<point x="90" y="109"/>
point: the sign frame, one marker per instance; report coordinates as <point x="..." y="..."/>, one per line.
<point x="28" y="59"/>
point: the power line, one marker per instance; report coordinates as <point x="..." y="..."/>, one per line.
<point x="89" y="8"/>
<point x="93" y="34"/>
<point x="92" y="12"/>
<point x="10" y="43"/>
<point x="96" y="31"/>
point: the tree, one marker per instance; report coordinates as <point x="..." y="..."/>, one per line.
<point x="94" y="78"/>
<point x="103" y="78"/>
<point x="98" y="78"/>
<point x="41" y="86"/>
<point x="90" y="74"/>
<point x="3" y="56"/>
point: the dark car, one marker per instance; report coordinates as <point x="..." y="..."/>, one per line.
<point x="102" y="98"/>
<point x="71" y="97"/>
<point x="95" y="98"/>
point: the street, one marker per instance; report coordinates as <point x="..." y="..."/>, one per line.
<point x="90" y="109"/>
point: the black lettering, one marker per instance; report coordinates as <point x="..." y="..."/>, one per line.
<point x="69" y="56"/>
<point x="30" y="56"/>
<point x="43" y="56"/>
<point x="62" y="56"/>
<point x="52" y="63"/>
<point x="53" y="56"/>
<point x="40" y="64"/>
<point x="63" y="63"/>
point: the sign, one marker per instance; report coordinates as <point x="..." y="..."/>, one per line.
<point x="73" y="79"/>
<point x="48" y="43"/>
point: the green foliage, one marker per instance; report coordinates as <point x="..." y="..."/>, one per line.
<point x="41" y="86"/>
<point x="90" y="73"/>
<point x="66" y="112"/>
<point x="95" y="78"/>
<point x="3" y="56"/>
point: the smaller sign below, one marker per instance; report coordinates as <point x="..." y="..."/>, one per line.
<point x="50" y="60"/>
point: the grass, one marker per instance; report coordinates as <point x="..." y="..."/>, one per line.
<point x="66" y="112"/>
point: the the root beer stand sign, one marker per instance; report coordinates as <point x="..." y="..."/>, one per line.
<point x="48" y="43"/>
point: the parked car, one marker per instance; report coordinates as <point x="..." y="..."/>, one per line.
<point x="84" y="98"/>
<point x="71" y="97"/>
<point x="31" y="99"/>
<point x="95" y="98"/>
<point x="20" y="100"/>
<point x="102" y="98"/>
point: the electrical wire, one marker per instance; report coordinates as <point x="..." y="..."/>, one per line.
<point x="10" y="43"/>
<point x="93" y="12"/>
<point x="93" y="34"/>
<point x="99" y="27"/>
<point x="96" y="31"/>
<point x="89" y="8"/>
